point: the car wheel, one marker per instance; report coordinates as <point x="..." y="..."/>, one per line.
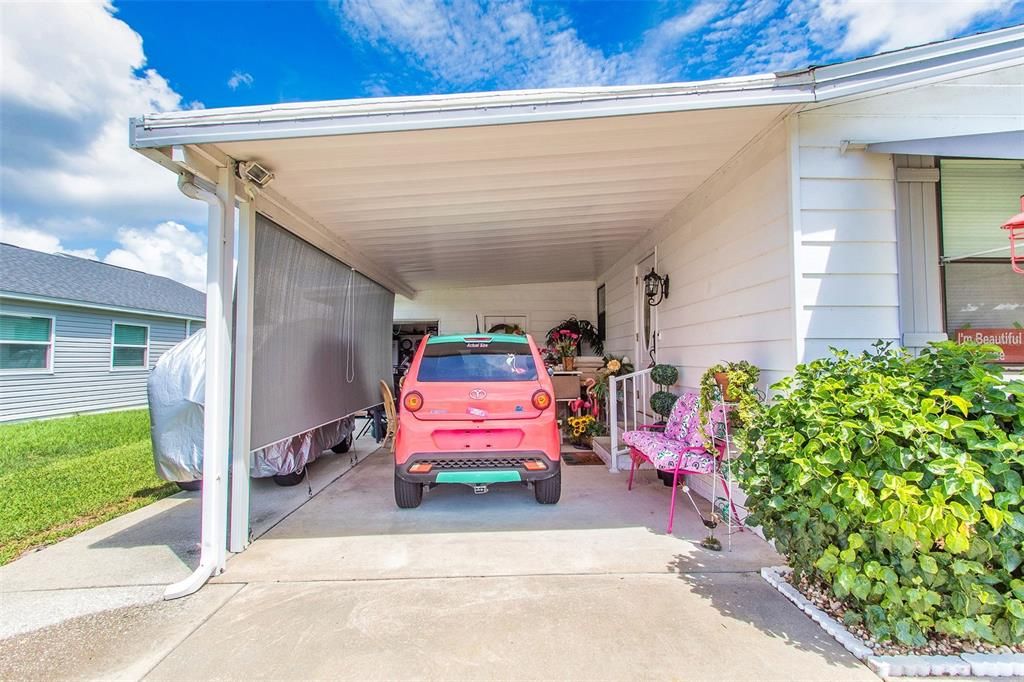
<point x="190" y="486"/>
<point x="288" y="480"/>
<point x="407" y="495"/>
<point x="343" y="446"/>
<point x="549" y="490"/>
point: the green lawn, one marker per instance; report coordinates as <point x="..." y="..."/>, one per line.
<point x="59" y="477"/>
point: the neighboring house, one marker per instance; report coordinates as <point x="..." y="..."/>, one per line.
<point x="77" y="335"/>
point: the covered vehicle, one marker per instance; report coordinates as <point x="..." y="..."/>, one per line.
<point x="477" y="409"/>
<point x="176" y="389"/>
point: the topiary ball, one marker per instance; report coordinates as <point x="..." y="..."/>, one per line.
<point x="662" y="403"/>
<point x="664" y="375"/>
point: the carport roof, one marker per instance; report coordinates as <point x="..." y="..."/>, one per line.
<point x="438" y="191"/>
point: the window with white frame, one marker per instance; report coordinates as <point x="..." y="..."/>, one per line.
<point x="26" y="343"/>
<point x="193" y="326"/>
<point x="130" y="347"/>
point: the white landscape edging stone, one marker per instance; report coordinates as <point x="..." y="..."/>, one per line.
<point x="911" y="665"/>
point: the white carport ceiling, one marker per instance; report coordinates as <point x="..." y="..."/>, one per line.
<point x="504" y="204"/>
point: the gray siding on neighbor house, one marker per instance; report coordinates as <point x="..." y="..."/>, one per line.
<point x="82" y="379"/>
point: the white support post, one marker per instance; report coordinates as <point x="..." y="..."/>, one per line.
<point x="613" y="419"/>
<point x="242" y="402"/>
<point x="217" y="402"/>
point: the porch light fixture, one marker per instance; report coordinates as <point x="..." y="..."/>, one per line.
<point x="255" y="173"/>
<point x="655" y="287"/>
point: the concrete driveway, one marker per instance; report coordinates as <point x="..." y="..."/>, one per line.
<point x="465" y="587"/>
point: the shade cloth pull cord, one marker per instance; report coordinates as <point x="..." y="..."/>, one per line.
<point x="348" y="328"/>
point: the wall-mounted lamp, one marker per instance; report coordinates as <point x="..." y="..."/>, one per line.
<point x="655" y="287"/>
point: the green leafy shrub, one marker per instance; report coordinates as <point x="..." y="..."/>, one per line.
<point x="664" y="375"/>
<point x="662" y="402"/>
<point x="898" y="481"/>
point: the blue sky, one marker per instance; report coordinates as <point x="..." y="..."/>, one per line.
<point x="69" y="183"/>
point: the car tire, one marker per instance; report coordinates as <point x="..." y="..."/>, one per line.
<point x="190" y="486"/>
<point x="407" y="495"/>
<point x="548" y="490"/>
<point x="288" y="480"/>
<point x="343" y="447"/>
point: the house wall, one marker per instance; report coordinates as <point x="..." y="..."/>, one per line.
<point x="544" y="305"/>
<point x="850" y="218"/>
<point x="82" y="380"/>
<point x="726" y="249"/>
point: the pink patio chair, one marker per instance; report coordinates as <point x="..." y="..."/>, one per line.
<point x="677" y="446"/>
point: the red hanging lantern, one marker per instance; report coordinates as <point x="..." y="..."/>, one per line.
<point x="1015" y="226"/>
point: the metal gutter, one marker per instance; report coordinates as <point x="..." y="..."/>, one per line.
<point x="348" y="117"/>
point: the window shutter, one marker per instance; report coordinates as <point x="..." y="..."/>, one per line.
<point x="14" y="328"/>
<point x="977" y="197"/>
<point x="129" y="335"/>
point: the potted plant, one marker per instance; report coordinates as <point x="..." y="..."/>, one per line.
<point x="582" y="429"/>
<point x="735" y="382"/>
<point x="565" y="342"/>
<point x="662" y="401"/>
<point x="584" y="329"/>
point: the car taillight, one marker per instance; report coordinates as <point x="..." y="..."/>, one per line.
<point x="412" y="401"/>
<point x="542" y="399"/>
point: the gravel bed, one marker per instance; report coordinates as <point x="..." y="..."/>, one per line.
<point x="819" y="594"/>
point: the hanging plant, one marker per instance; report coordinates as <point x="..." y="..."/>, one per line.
<point x="586" y="330"/>
<point x="506" y="328"/>
<point x="739" y="382"/>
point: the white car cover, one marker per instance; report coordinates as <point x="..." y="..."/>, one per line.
<point x="177" y="386"/>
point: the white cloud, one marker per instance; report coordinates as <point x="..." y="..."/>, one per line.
<point x="239" y="78"/>
<point x="170" y="249"/>
<point x="893" y="24"/>
<point x="12" y="232"/>
<point x="465" y="43"/>
<point x="72" y="76"/>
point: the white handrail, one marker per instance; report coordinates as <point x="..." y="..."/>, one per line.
<point x="632" y="399"/>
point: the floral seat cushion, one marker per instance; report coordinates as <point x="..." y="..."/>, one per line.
<point x="665" y="452"/>
<point x="681" y="442"/>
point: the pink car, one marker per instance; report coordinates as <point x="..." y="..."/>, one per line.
<point x="477" y="409"/>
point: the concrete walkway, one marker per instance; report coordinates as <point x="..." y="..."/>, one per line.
<point x="465" y="587"/>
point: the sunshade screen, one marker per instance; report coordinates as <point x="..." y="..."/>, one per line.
<point x="321" y="337"/>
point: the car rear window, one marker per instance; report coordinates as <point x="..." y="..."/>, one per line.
<point x="476" y="361"/>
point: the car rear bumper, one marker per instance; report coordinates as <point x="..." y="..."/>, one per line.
<point x="478" y="467"/>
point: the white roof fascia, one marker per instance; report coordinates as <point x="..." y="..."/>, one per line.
<point x="1005" y="145"/>
<point x="453" y="111"/>
<point x="140" y="312"/>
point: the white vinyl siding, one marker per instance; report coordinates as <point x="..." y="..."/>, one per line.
<point x="81" y="379"/>
<point x="26" y="344"/>
<point x="726" y="249"/>
<point x="848" y="259"/>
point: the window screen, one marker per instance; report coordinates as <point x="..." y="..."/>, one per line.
<point x="321" y="337"/>
<point x="130" y="347"/>
<point x="25" y="342"/>
<point x="978" y="196"/>
<point x="983" y="295"/>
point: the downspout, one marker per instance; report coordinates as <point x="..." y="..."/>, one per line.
<point x="214" y="492"/>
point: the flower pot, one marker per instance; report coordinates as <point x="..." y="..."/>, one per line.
<point x="569" y="362"/>
<point x="581" y="442"/>
<point x="722" y="379"/>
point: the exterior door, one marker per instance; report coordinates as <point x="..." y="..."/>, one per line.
<point x="646" y="318"/>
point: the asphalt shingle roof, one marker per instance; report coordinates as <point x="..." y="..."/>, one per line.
<point x="23" y="271"/>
